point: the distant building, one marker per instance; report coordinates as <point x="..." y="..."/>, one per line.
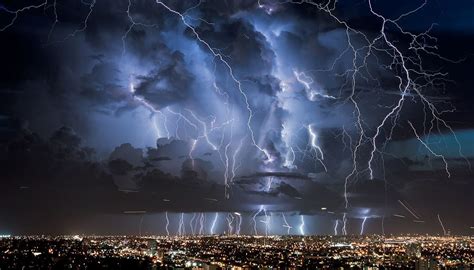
<point x="414" y="250"/>
<point x="152" y="245"/>
<point x="425" y="264"/>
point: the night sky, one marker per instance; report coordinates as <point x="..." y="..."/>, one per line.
<point x="117" y="114"/>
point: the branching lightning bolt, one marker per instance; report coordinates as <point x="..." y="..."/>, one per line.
<point x="314" y="145"/>
<point x="18" y="12"/>
<point x="254" y="219"/>
<point x="231" y="73"/>
<point x="266" y="221"/>
<point x="230" y="220"/>
<point x="286" y="224"/>
<point x="410" y="77"/>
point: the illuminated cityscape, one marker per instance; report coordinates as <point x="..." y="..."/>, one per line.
<point x="239" y="252"/>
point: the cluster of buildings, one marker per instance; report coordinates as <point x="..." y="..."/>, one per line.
<point x="237" y="252"/>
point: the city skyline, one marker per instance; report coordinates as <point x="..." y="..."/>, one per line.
<point x="243" y="252"/>
<point x="236" y="117"/>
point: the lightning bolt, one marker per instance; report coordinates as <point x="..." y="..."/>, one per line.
<point x="140" y="225"/>
<point x="314" y="145"/>
<point x="84" y="23"/>
<point x="165" y="120"/>
<point x="133" y="23"/>
<point x="238" y="223"/>
<point x="238" y="83"/>
<point x="285" y="224"/>
<point x="56" y="20"/>
<point x="290" y="155"/>
<point x="226" y="165"/>
<point x="149" y="106"/>
<point x="191" y="150"/>
<point x="181" y="226"/>
<point x="204" y="128"/>
<point x="266" y="221"/>
<point x="430" y="150"/>
<point x="362" y="226"/>
<point x="18" y="12"/>
<point x="344" y="222"/>
<point x="196" y="222"/>
<point x="234" y="160"/>
<point x="167" y="224"/>
<point x="307" y="81"/>
<point x="254" y="219"/>
<point x="204" y="134"/>
<point x="302" y="226"/>
<point x="410" y="76"/>
<point x="193" y="141"/>
<point x="201" y="224"/>
<point x="269" y="184"/>
<point x="442" y="225"/>
<point x="290" y="158"/>
<point x="335" y="226"/>
<point x="191" y="223"/>
<point x="213" y="225"/>
<point x="226" y="161"/>
<point x="230" y="220"/>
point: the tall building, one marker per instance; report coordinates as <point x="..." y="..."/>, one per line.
<point x="426" y="264"/>
<point x="414" y="250"/>
<point x="152" y="245"/>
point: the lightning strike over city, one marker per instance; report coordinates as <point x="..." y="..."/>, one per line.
<point x="254" y="120"/>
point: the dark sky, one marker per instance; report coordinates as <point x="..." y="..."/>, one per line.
<point x="313" y="113"/>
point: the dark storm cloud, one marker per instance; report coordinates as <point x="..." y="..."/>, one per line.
<point x="61" y="167"/>
<point x="258" y="187"/>
<point x="102" y="87"/>
<point x="58" y="163"/>
<point x="246" y="48"/>
<point x="165" y="151"/>
<point x="128" y="153"/>
<point x="289" y="175"/>
<point x="119" y="166"/>
<point x="167" y="85"/>
<point x="287" y="189"/>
